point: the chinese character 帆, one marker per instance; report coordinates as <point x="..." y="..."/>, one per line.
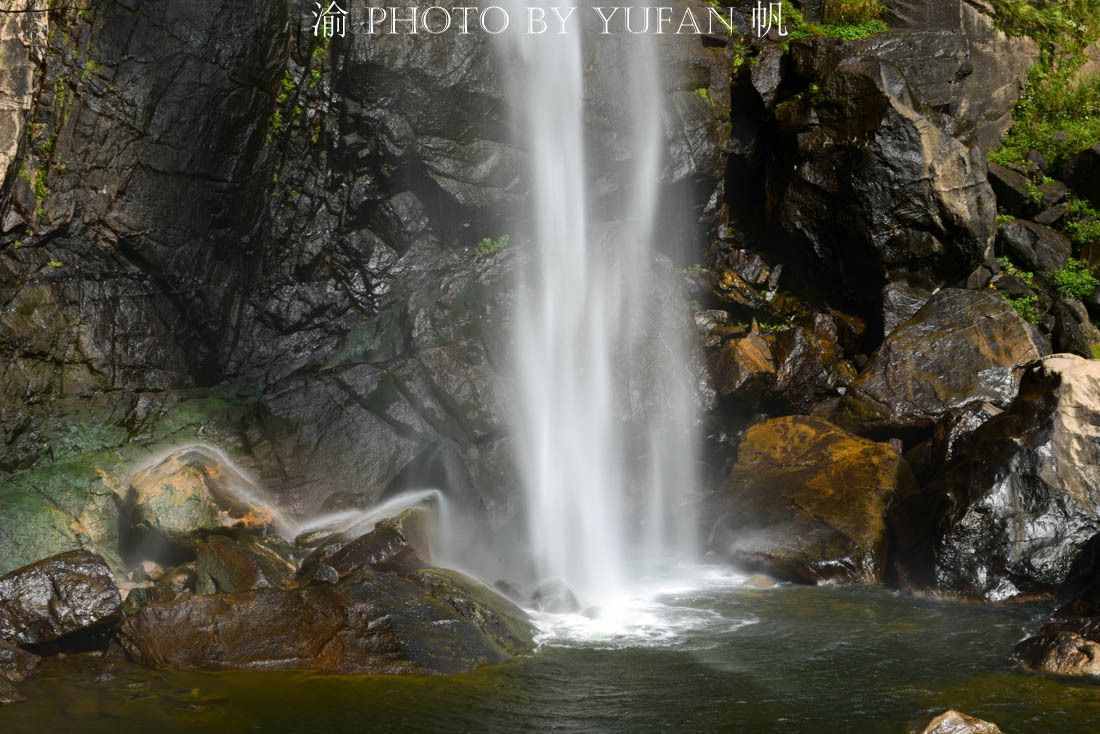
<point x="331" y="21"/>
<point x="763" y="18"/>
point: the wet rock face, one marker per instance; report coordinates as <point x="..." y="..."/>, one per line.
<point x="431" y="621"/>
<point x="227" y="564"/>
<point x="1022" y="492"/>
<point x="916" y="200"/>
<point x="383" y="549"/>
<point x="59" y="596"/>
<point x="807" y="502"/>
<point x="960" y="347"/>
<point x="22" y="43"/>
<point x="956" y="722"/>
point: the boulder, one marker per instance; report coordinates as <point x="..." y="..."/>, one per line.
<point x="192" y="489"/>
<point x="60" y="596"/>
<point x="956" y="722"/>
<point x="1074" y="332"/>
<point x="227" y="564"/>
<point x="1069" y="643"/>
<point x="429" y="621"/>
<point x="807" y="502"/>
<point x="793" y="369"/>
<point x="900" y="302"/>
<point x="1013" y="190"/>
<point x="1060" y="649"/>
<point x="556" y="597"/>
<point x="1082" y="173"/>
<point x="1034" y="247"/>
<point x="1022" y="493"/>
<point x="961" y="347"/>
<point x="16" y="664"/>
<point x="54" y="509"/>
<point x="383" y="549"/>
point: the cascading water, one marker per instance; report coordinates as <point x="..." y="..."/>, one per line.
<point x="604" y="420"/>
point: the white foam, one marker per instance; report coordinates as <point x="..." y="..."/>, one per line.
<point x="654" y="613"/>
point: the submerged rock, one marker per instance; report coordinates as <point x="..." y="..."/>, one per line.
<point x="60" y="596"/>
<point x="1063" y="649"/>
<point x="956" y="722"/>
<point x="807" y="502"/>
<point x="15" y="662"/>
<point x="1069" y="644"/>
<point x="961" y="347"/>
<point x="428" y="621"/>
<point x="1022" y="495"/>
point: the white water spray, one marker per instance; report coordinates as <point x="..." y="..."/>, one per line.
<point x="604" y="419"/>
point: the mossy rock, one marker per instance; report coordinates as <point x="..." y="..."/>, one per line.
<point x="65" y="506"/>
<point x="808" y="501"/>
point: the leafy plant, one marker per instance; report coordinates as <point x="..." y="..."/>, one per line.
<point x="1057" y="115"/>
<point x="491" y="245"/>
<point x="849" y="20"/>
<point x="1075" y="280"/>
<point x="1024" y="276"/>
<point x="1082" y="223"/>
<point x="1026" y="306"/>
<point x="852" y="31"/>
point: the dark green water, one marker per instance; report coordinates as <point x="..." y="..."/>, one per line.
<point x="813" y="660"/>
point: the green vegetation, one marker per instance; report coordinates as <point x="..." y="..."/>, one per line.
<point x="1074" y="280"/>
<point x="1057" y="115"/>
<point x="853" y="31"/>
<point x="848" y="20"/>
<point x="1082" y="224"/>
<point x="1010" y="269"/>
<point x="1026" y="306"/>
<point x="491" y="245"/>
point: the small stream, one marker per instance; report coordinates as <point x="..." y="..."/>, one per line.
<point x="717" y="657"/>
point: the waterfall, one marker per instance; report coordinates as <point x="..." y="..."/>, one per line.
<point x="603" y="417"/>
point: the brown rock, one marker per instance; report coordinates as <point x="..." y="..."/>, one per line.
<point x="430" y="621"/>
<point x="960" y="347"/>
<point x="58" y="596"/>
<point x="808" y="502"/>
<point x="1062" y="651"/>
<point x="956" y="722"/>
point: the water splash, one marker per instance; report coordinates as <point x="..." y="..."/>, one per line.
<point x="604" y="421"/>
<point x="654" y="612"/>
